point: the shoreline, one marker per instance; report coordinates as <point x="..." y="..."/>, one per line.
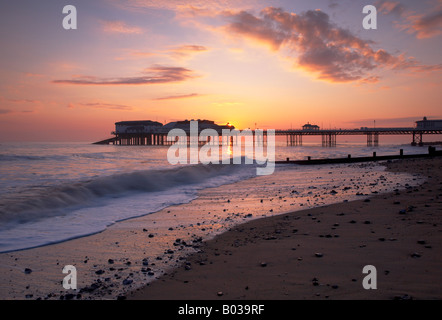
<point x="128" y="243"/>
<point x="320" y="253"/>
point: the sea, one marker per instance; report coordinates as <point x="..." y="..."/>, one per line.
<point x="54" y="192"/>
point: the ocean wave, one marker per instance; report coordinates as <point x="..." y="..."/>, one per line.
<point x="14" y="157"/>
<point x="53" y="201"/>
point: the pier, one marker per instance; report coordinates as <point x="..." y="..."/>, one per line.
<point x="152" y="133"/>
<point x="329" y="137"/>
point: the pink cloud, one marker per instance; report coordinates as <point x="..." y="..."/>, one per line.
<point x="182" y="96"/>
<point x="422" y="24"/>
<point x="120" y="27"/>
<point x="318" y="45"/>
<point x="154" y="75"/>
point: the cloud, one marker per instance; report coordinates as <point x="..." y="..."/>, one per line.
<point x="120" y="27"/>
<point x="318" y="45"/>
<point x="183" y="96"/>
<point x="427" y="26"/>
<point x="9" y="111"/>
<point x="24" y="101"/>
<point x="186" y="50"/>
<point x="390" y="7"/>
<point x="422" y="25"/>
<point x="154" y="75"/>
<point x="142" y="54"/>
<point x="174" y="5"/>
<point x="99" y="105"/>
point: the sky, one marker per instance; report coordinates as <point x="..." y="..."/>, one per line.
<point x="254" y="63"/>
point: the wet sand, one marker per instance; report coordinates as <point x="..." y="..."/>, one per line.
<point x="132" y="253"/>
<point x="320" y="253"/>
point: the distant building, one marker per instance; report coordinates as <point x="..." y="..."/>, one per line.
<point x="142" y="126"/>
<point x="202" y="124"/>
<point x="429" y="124"/>
<point x="309" y="126"/>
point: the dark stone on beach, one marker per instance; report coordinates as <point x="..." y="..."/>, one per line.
<point x="352" y="221"/>
<point x="144" y="230"/>
<point x="110" y="261"/>
<point x="367" y="222"/>
<point x="90" y="288"/>
<point x="169" y="251"/>
<point x="335" y="286"/>
<point x="381" y="239"/>
<point x="367" y="200"/>
<point x="318" y="255"/>
<point x="150" y="273"/>
<point x="127" y="281"/>
<point x="333" y="192"/>
<point x="415" y="255"/>
<point x="99" y="272"/>
<point x="145" y="262"/>
<point x="421" y="242"/>
<point x="69" y="296"/>
<point x="402" y="212"/>
<point x="315" y="282"/>
<point x="151" y="235"/>
<point x="219" y="293"/>
<point x="29" y="296"/>
<point x="28" y="271"/>
<point x="263" y="264"/>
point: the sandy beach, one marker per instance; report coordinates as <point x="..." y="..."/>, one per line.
<point x="317" y="253"/>
<point x="320" y="253"/>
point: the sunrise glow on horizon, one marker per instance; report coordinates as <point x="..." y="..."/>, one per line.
<point x="253" y="63"/>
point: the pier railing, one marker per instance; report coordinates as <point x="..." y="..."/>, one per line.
<point x="294" y="137"/>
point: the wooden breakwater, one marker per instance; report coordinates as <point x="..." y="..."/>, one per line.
<point x="349" y="159"/>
